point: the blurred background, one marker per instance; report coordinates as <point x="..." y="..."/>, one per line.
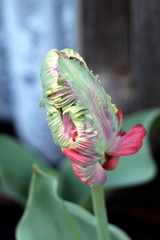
<point x="119" y="40"/>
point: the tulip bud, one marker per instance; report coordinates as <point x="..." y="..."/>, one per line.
<point x="82" y="119"/>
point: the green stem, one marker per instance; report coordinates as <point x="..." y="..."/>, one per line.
<point x="100" y="213"/>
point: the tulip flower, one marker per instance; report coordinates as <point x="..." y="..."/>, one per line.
<point x="82" y="119"/>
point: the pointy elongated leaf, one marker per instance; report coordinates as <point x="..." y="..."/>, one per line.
<point x="47" y="216"/>
<point x="15" y="167"/>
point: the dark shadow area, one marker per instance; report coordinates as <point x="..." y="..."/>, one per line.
<point x="10" y="215"/>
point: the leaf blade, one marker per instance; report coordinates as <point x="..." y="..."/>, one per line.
<point x="16" y="167"/>
<point x="47" y="219"/>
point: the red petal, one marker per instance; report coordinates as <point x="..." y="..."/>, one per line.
<point x="111" y="162"/>
<point x="129" y="143"/>
<point x="79" y="158"/>
<point x="122" y="133"/>
<point x="120" y="118"/>
<point x="69" y="126"/>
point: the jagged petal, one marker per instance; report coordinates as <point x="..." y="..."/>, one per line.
<point x="88" y="90"/>
<point x="70" y="87"/>
<point x="129" y="143"/>
<point x="93" y="175"/>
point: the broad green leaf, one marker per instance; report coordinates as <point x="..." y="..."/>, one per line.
<point x="132" y="170"/>
<point x="117" y="233"/>
<point x="49" y="217"/>
<point x="16" y="167"/>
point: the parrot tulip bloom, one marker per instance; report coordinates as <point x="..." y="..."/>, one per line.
<point x="82" y="119"/>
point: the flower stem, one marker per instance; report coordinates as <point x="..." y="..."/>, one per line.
<point x="100" y="213"/>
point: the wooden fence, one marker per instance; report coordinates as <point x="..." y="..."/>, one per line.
<point x="121" y="42"/>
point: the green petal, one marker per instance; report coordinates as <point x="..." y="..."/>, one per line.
<point x="69" y="87"/>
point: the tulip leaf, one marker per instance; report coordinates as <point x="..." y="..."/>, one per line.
<point x="49" y="217"/>
<point x="132" y="170"/>
<point x="16" y="167"/>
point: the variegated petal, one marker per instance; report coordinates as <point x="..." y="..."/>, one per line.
<point x="93" y="175"/>
<point x="71" y="88"/>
